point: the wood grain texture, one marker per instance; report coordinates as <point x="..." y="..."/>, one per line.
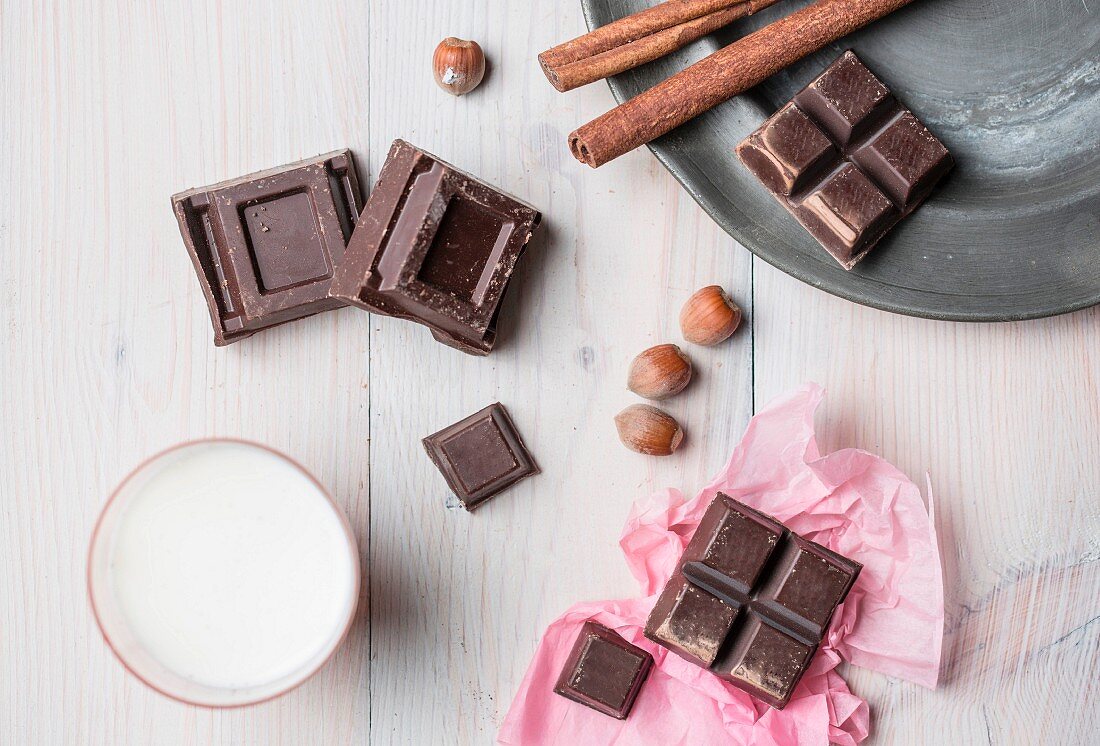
<point x="108" y="358"/>
<point x="1005" y="419"/>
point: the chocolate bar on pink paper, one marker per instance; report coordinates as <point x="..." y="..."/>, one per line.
<point x="750" y="600"/>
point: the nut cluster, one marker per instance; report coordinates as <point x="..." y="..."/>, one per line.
<point x="708" y="317"/>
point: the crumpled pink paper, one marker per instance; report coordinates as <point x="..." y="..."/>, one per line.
<point x="850" y="501"/>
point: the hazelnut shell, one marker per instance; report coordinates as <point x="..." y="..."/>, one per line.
<point x="458" y="65"/>
<point x="710" y="316"/>
<point x="659" y="372"/>
<point x="646" y="429"/>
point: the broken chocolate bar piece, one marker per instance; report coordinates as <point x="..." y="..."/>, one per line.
<point x="847" y="159"/>
<point x="604" y="671"/>
<point x="436" y="246"/>
<point x="265" y="246"/>
<point x="481" y="455"/>
<point x="750" y="601"/>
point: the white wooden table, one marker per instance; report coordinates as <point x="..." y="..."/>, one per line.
<point x="107" y="357"/>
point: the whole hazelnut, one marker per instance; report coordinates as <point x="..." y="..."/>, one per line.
<point x="659" y="372"/>
<point x="459" y="65"/>
<point x="709" y="317"/>
<point x="646" y="429"/>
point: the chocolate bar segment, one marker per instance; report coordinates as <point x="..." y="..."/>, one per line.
<point x="750" y="601"/>
<point x="880" y="162"/>
<point x="265" y="246"/>
<point x="481" y="455"/>
<point x="435" y="246"/>
<point x="604" y="671"/>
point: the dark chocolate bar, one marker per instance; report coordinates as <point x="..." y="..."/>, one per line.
<point x="847" y="159"/>
<point x="481" y="455"/>
<point x="265" y="246"/>
<point x="435" y="246"/>
<point x="604" y="671"/>
<point x="750" y="600"/>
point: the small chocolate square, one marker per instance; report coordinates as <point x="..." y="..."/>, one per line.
<point x="265" y="245"/>
<point x="847" y="214"/>
<point x="847" y="99"/>
<point x="735" y="543"/>
<point x="881" y="164"/>
<point x="808" y="581"/>
<point x="758" y="634"/>
<point x="691" y="622"/>
<point x="481" y="455"/>
<point x="604" y="671"/>
<point x="766" y="661"/>
<point x="789" y="150"/>
<point x="905" y="159"/>
<point x="435" y="246"/>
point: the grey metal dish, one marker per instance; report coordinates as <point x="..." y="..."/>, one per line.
<point x="1012" y="87"/>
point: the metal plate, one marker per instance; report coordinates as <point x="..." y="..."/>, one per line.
<point x="1012" y="87"/>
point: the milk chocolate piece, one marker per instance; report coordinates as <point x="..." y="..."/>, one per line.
<point x="750" y="601"/>
<point x="846" y="158"/>
<point x="481" y="455"/>
<point x="265" y="246"/>
<point x="435" y="246"/>
<point x="604" y="671"/>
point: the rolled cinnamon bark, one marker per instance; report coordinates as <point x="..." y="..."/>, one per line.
<point x="631" y="28"/>
<point x="721" y="76"/>
<point x="646" y="49"/>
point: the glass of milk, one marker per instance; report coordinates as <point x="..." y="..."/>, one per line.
<point x="221" y="573"/>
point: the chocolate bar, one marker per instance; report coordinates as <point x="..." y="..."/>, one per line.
<point x="750" y="600"/>
<point x="436" y="246"/>
<point x="265" y="246"/>
<point x="480" y="456"/>
<point x="604" y="671"/>
<point x="847" y="159"/>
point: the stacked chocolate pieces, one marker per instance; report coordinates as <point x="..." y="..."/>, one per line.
<point x="846" y="159"/>
<point x="433" y="245"/>
<point x="750" y="601"/>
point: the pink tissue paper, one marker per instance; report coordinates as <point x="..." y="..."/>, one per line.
<point x="892" y="621"/>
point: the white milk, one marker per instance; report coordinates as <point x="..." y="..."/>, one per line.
<point x="231" y="567"/>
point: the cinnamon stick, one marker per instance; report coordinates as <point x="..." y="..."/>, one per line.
<point x="721" y="76"/>
<point x="566" y="77"/>
<point x="631" y="28"/>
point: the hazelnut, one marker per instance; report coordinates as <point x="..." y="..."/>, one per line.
<point x="709" y="316"/>
<point x="459" y="65"/>
<point x="646" y="429"/>
<point x="659" y="372"/>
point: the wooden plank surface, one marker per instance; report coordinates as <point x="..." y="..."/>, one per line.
<point x="108" y="358"/>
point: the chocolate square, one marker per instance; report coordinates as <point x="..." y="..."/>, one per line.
<point x="435" y="246"/>
<point x="604" y="671"/>
<point x="736" y="545"/>
<point x="904" y="159"/>
<point x="265" y="246"/>
<point x="807" y="581"/>
<point x="691" y="622"/>
<point x="789" y="151"/>
<point x="882" y="163"/>
<point x="847" y="213"/>
<point x="765" y="661"/>
<point x="846" y="99"/>
<point x="481" y="455"/>
<point x="761" y="634"/>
